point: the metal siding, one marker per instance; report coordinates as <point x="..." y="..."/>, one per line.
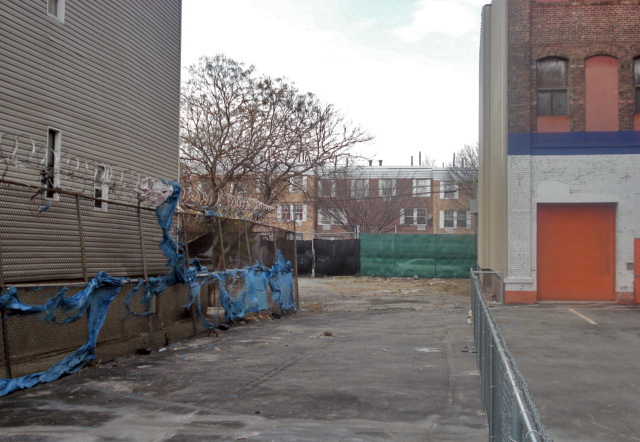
<point x="109" y="79"/>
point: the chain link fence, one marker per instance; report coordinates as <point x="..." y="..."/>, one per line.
<point x="511" y="412"/>
<point x="48" y="244"/>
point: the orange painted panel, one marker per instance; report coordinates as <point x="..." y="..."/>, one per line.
<point x="601" y="94"/>
<point x="576" y="252"/>
<point x="553" y="124"/>
<point x="636" y="269"/>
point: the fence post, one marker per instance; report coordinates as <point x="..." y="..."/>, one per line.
<point x="152" y="305"/>
<point x="295" y="267"/>
<point x="83" y="252"/>
<point x="313" y="254"/>
<point x="186" y="252"/>
<point x="516" y="424"/>
<point x="224" y="264"/>
<point x="246" y="237"/>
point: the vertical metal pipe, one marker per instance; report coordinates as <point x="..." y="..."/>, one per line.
<point x="142" y="245"/>
<point x="185" y="237"/>
<point x="224" y="264"/>
<point x="152" y="306"/>
<point x="83" y="251"/>
<point x="246" y="238"/>
<point x="516" y="424"/>
<point x="295" y="267"/>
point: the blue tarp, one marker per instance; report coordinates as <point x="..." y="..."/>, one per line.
<point x="97" y="296"/>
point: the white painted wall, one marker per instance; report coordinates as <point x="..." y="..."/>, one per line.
<point x="569" y="179"/>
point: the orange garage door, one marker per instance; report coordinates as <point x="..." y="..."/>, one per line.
<point x="576" y="252"/>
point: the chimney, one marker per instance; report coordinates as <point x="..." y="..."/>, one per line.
<point x="380" y="162"/>
<point x="370" y="163"/>
<point x="412" y="160"/>
<point x="419" y="158"/>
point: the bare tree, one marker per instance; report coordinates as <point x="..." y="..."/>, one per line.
<point x="463" y="170"/>
<point x="239" y="127"/>
<point x="250" y="134"/>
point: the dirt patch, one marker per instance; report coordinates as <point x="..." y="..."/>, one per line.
<point x="334" y="294"/>
<point x="372" y="285"/>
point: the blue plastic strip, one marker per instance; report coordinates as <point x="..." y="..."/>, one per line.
<point x="97" y="296"/>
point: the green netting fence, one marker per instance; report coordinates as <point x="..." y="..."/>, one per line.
<point x="426" y="256"/>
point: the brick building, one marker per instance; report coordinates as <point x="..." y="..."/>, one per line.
<point x="407" y="199"/>
<point x="560" y="148"/>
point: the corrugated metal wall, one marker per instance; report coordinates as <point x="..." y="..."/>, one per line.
<point x="428" y="256"/>
<point x="108" y="78"/>
<point x="42" y="240"/>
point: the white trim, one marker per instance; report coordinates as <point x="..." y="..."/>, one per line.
<point x="421" y="191"/>
<point x="444" y="184"/>
<point x="57" y="149"/>
<point x="101" y="182"/>
<point x="60" y="7"/>
<point x="355" y="191"/>
<point x="381" y="188"/>
<point x="293" y="187"/>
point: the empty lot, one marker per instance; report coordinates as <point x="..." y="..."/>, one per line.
<point x="367" y="359"/>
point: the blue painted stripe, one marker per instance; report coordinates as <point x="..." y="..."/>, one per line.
<point x="575" y="143"/>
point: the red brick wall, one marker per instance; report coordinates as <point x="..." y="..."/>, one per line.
<point x="575" y="30"/>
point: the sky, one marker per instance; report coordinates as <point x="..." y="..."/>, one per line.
<point x="406" y="71"/>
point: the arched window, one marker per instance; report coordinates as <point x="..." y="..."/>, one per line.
<point x="552" y="87"/>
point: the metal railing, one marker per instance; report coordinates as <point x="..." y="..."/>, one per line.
<point x="511" y="413"/>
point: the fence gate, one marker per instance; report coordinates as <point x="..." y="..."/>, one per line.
<point x="427" y="256"/>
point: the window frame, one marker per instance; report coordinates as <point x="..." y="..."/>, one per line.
<point x="59" y="7"/>
<point x="421" y="190"/>
<point x="52" y="163"/>
<point x="101" y="178"/>
<point x="554" y="92"/>
<point x="445" y="187"/>
<point x="356" y="191"/>
<point x="387" y="191"/>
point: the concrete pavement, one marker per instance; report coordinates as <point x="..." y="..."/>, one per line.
<point x="580" y="361"/>
<point x="404" y="373"/>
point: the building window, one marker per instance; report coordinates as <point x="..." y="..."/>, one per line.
<point x="422" y="188"/>
<point x="636" y="81"/>
<point x="448" y="190"/>
<point x="455" y="219"/>
<point x="461" y="220"/>
<point x="51" y="172"/>
<point x="292" y="212"/>
<point x="55" y="8"/>
<point x="299" y="212"/>
<point x="387" y="188"/>
<point x="552" y="87"/>
<point x="101" y="186"/>
<point x="327" y="188"/>
<point x="449" y="218"/>
<point x="407" y="216"/>
<point x="421" y="216"/>
<point x="298" y="184"/>
<point x="284" y="212"/>
<point x="359" y="188"/>
<point x="331" y="217"/>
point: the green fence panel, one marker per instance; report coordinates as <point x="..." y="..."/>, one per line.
<point x="426" y="256"/>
